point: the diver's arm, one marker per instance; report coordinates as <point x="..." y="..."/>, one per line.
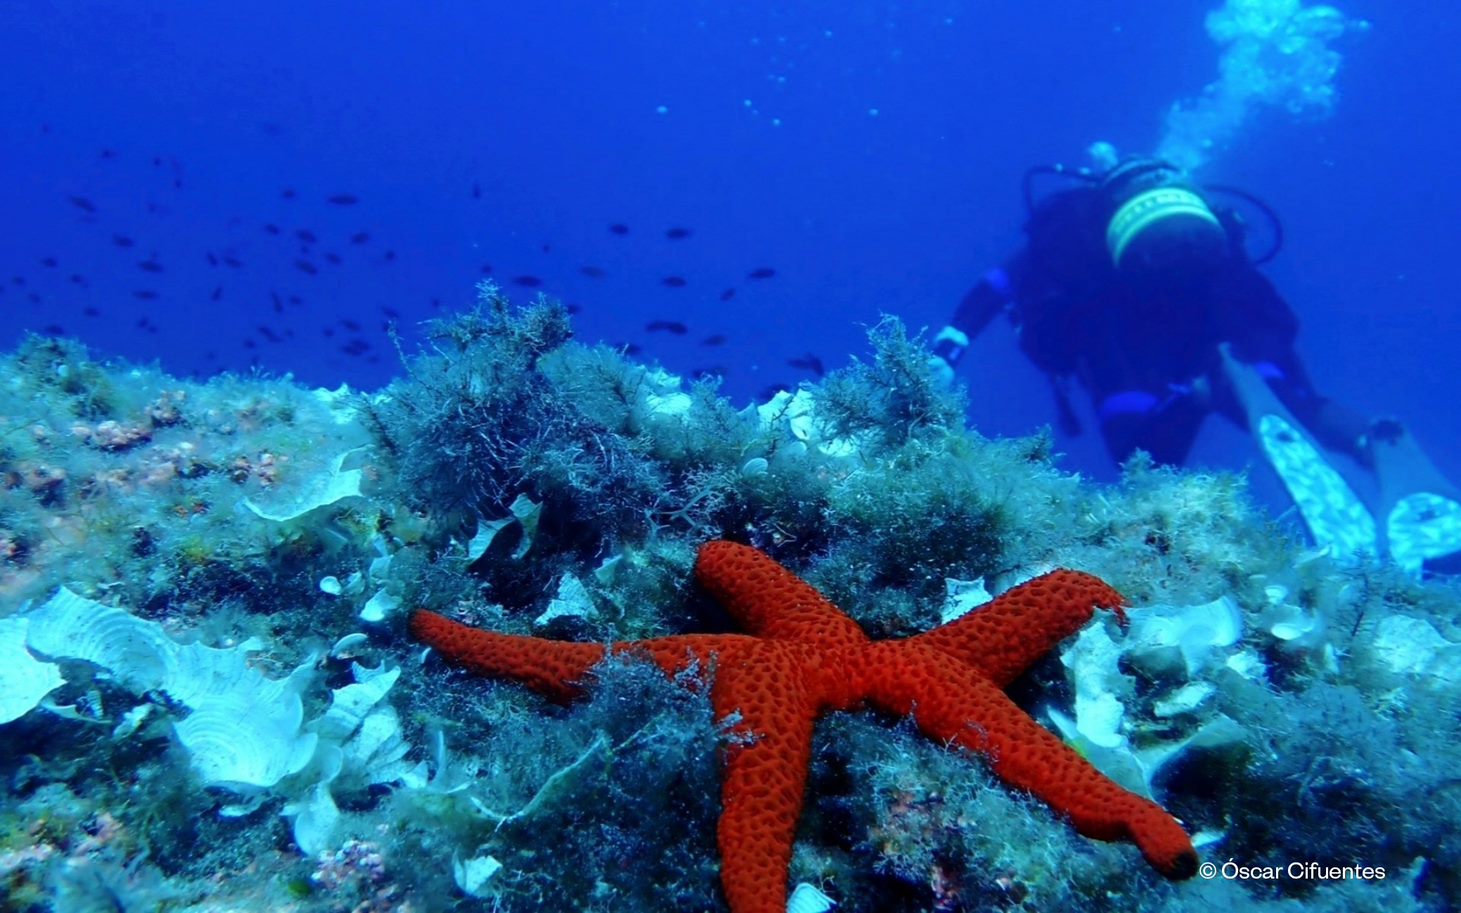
<point x="993" y="295"/>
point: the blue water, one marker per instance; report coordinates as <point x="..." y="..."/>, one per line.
<point x="870" y="153"/>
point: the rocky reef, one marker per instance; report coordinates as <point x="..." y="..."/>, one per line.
<point x="209" y="699"/>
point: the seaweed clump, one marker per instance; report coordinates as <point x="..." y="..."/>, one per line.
<point x="479" y="423"/>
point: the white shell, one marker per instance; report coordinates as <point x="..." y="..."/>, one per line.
<point x="807" y="899"/>
<point x="24" y="680"/>
<point x="379" y="607"/>
<point x="571" y="600"/>
<point x="473" y="875"/>
<point x="336" y="485"/>
<point x="347" y="643"/>
<point x="244" y="729"/>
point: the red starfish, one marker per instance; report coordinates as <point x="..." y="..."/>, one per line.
<point x="804" y="657"/>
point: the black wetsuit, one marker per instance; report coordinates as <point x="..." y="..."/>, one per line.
<point x="1144" y="347"/>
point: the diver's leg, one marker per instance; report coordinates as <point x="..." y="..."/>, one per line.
<point x="1336" y="516"/>
<point x="1166" y="431"/>
<point x="1419" y="509"/>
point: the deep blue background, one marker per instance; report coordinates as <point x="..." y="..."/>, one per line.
<point x="869" y="152"/>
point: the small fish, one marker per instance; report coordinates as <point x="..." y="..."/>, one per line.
<point x="573" y="307"/>
<point x="144" y="294"/>
<point x="392" y="313"/>
<point x="273" y="229"/>
<point x="527" y="281"/>
<point x="328" y="332"/>
<point x="278" y="302"/>
<point x="250" y="344"/>
<point x="545" y="247"/>
<point x="343" y="199"/>
<point x="333" y="258"/>
<point x="808" y="362"/>
<point x="296" y="300"/>
<point x="83" y="204"/>
<point x="230" y="260"/>
<point x="349" y="324"/>
<point x="288" y="193"/>
<point x="715" y="339"/>
<point x="727" y="294"/>
<point x="217" y="293"/>
<point x="476" y="191"/>
<point x="108" y="153"/>
<point x="677" y="233"/>
<point x="436" y="303"/>
<point x="122" y="241"/>
<point x="389" y="256"/>
<point x="761" y="272"/>
<point x="54" y="329"/>
<point x="305" y="266"/>
<point x="269" y="334"/>
<point x="212" y="258"/>
<point x="619" y="228"/>
<point x="305" y="235"/>
<point x="360" y="237"/>
<point x="486" y="269"/>
<point x="593" y="272"/>
<point x="91" y="311"/>
<point x="17" y="280"/>
<point x="674" y="327"/>
<point x="149" y="265"/>
<point x="78" y="279"/>
<point x="673" y="281"/>
<point x="50" y="262"/>
<point x="33" y="297"/>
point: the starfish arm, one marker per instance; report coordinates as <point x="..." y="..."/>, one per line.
<point x="552" y="667"/>
<point x="678" y="652"/>
<point x="1002" y="639"/>
<point x="954" y="704"/>
<point x="768" y="600"/>
<point x="765" y="771"/>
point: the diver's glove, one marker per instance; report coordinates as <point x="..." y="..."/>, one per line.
<point x="942" y="371"/>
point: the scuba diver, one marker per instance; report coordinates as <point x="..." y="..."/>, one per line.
<point x="1137" y="283"/>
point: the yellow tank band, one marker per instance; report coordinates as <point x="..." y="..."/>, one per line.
<point x="1152" y="206"/>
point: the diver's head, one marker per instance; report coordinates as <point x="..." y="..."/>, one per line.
<point x="1159" y="223"/>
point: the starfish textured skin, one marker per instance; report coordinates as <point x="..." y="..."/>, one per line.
<point x="803" y="657"/>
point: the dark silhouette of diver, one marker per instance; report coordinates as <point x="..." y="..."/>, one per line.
<point x="1137" y="284"/>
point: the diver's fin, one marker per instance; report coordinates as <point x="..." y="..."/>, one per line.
<point x="1420" y="509"/>
<point x="1335" y="515"/>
